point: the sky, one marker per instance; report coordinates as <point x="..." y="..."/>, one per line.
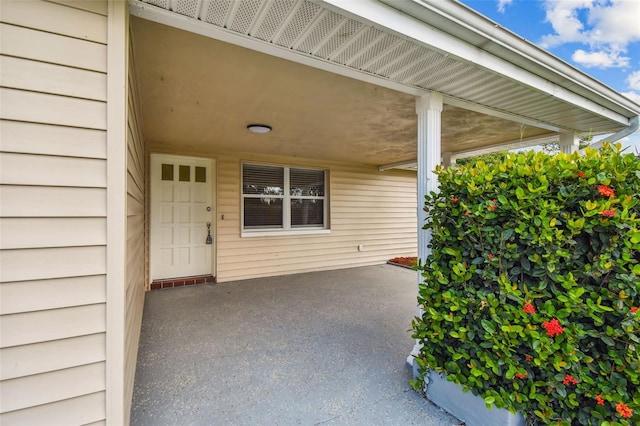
<point x="599" y="37"/>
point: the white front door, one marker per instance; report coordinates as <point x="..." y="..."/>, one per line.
<point x="181" y="208"/>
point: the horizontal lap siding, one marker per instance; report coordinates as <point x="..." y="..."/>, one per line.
<point x="52" y="294"/>
<point x="135" y="278"/>
<point x="18" y="393"/>
<point x="368" y="207"/>
<point x="53" y="212"/>
<point x="75" y="411"/>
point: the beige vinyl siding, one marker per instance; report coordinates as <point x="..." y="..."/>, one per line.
<point x="135" y="278"/>
<point x="77" y="411"/>
<point x="83" y="380"/>
<point x="52" y="294"/>
<point x="366" y="207"/>
<point x="52" y="140"/>
<point x="27" y="360"/>
<point x="53" y="212"/>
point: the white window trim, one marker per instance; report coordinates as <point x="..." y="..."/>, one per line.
<point x="283" y="233"/>
<point x="286" y="229"/>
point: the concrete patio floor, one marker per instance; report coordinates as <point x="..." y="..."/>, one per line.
<point x="320" y="348"/>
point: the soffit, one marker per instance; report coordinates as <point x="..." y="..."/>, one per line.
<point x="197" y="95"/>
<point x="324" y="33"/>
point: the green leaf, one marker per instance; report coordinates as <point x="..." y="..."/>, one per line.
<point x="562" y="391"/>
<point x="488" y="326"/>
<point x="608" y="340"/>
<point x="575" y="293"/>
<point x="476" y="372"/>
<point x="452" y="251"/>
<point x="507" y="233"/>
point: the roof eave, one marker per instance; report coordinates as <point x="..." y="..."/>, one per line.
<point x="517" y="50"/>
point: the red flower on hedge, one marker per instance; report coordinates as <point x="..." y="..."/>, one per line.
<point x="623" y="410"/>
<point x="490" y="256"/>
<point x="528" y="308"/>
<point x="455" y="199"/>
<point x="608" y="213"/>
<point x="553" y="327"/>
<point x="491" y="207"/>
<point x="599" y="400"/>
<point x="634" y="310"/>
<point x="581" y="175"/>
<point x="467" y="213"/>
<point x="606" y="191"/>
<point x="528" y="358"/>
<point x="569" y="380"/>
<point x="522" y="375"/>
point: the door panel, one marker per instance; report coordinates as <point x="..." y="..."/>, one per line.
<point x="181" y="206"/>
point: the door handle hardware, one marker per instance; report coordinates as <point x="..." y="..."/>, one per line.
<point x="209" y="238"/>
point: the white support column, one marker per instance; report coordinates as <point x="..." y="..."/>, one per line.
<point x="568" y="142"/>
<point x="429" y="110"/>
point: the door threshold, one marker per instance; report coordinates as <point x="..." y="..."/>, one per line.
<point x="182" y="281"/>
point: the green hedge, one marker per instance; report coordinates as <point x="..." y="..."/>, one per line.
<point x="531" y="293"/>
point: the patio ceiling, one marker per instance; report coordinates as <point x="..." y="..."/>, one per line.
<point x="332" y="85"/>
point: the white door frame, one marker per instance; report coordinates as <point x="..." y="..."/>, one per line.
<point x="156" y="158"/>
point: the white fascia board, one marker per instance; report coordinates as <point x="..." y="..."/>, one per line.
<point x="409" y="165"/>
<point x="166" y="17"/>
<point x="507" y="146"/>
<point x="517" y="49"/>
<point x="484" y="110"/>
<point x="403" y="25"/>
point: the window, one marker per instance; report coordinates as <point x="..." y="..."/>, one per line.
<point x="283" y="198"/>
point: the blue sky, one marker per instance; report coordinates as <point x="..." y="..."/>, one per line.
<point x="599" y="37"/>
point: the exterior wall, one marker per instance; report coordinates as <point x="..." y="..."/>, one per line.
<point x="53" y="212"/>
<point x="135" y="275"/>
<point x="368" y="207"/>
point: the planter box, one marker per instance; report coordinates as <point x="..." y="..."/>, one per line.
<point x="467" y="407"/>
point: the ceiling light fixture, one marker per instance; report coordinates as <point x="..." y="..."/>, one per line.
<point x="259" y="128"/>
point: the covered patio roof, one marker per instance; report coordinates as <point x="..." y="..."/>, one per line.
<point x="337" y="80"/>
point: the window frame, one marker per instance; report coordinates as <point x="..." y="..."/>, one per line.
<point x="287" y="228"/>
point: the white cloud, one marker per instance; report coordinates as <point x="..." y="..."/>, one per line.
<point x="634" y="96"/>
<point x="634" y="80"/>
<point x="600" y="59"/>
<point x="563" y="17"/>
<point x="607" y="27"/>
<point x="502" y="4"/>
<point x="615" y="22"/>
